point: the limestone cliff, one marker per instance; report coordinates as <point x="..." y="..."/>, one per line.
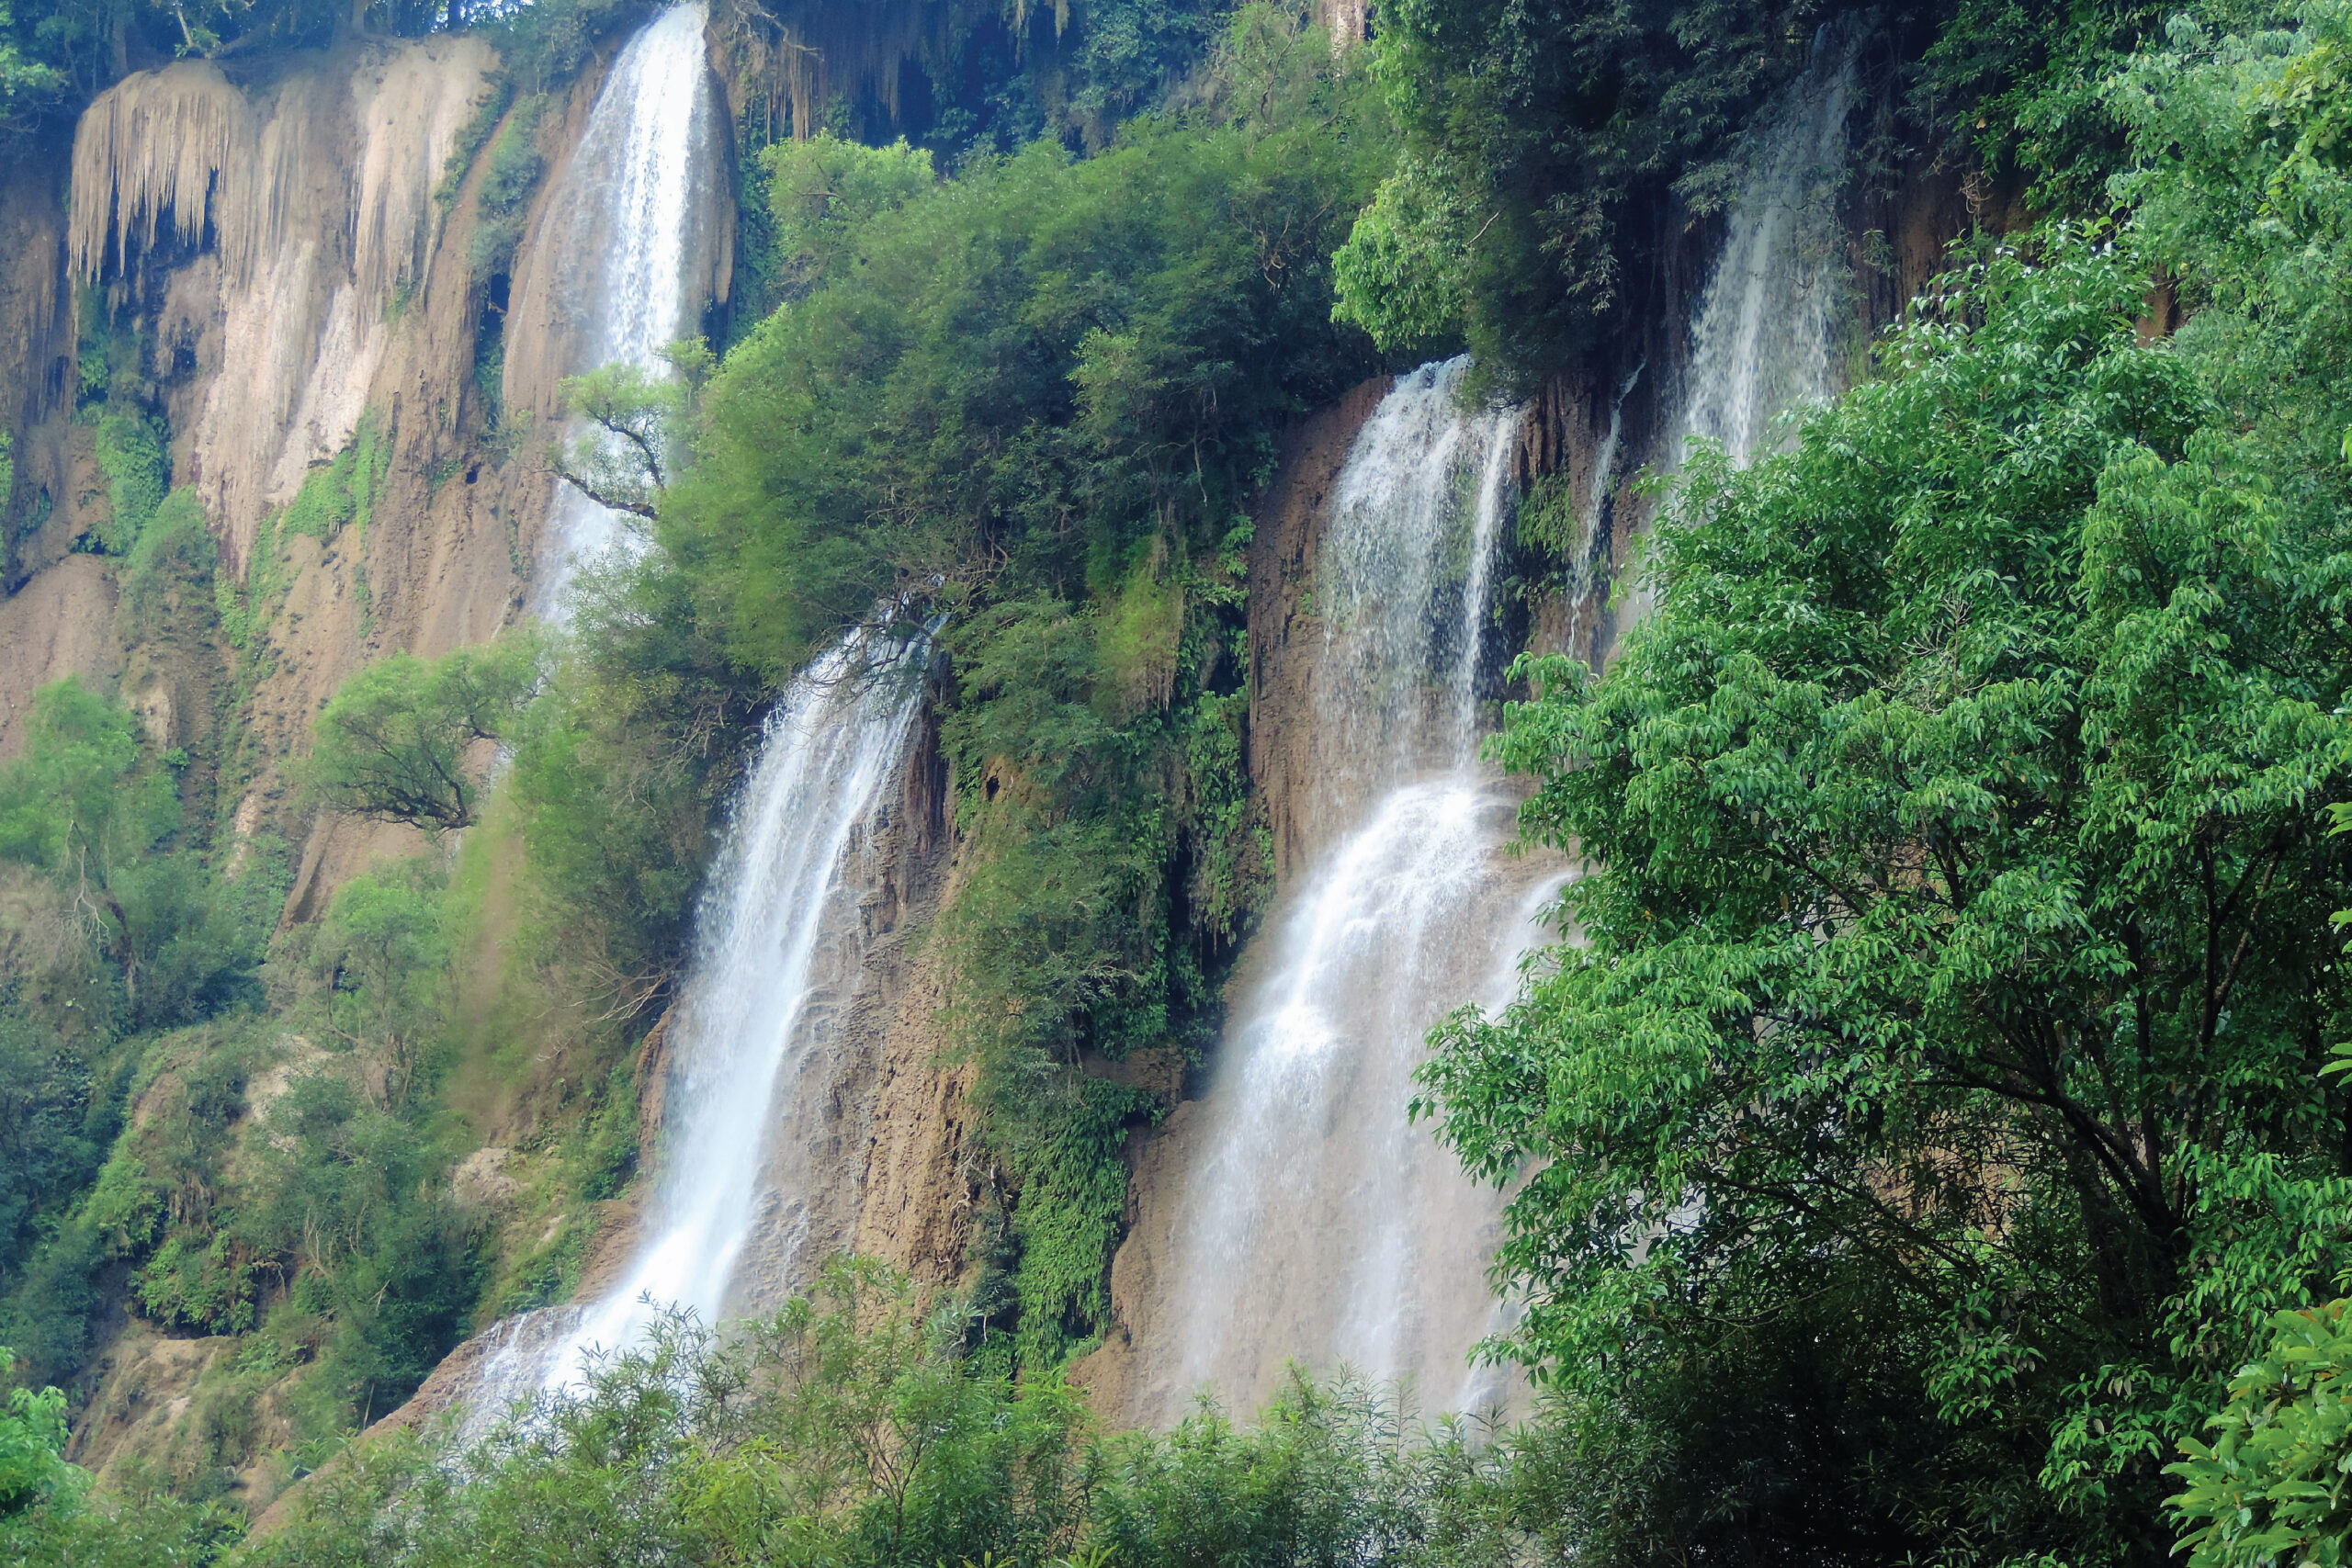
<point x="261" y="247"/>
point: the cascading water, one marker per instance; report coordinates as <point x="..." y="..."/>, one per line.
<point x="627" y="219"/>
<point x="1762" y="339"/>
<point x="779" y="928"/>
<point x="1318" y="1223"/>
<point x="1315" y="1223"/>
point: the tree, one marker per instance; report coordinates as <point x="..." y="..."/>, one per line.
<point x="622" y="460"/>
<point x="1957" y="913"/>
<point x="69" y="805"/>
<point x="383" y="955"/>
<point x="84" y="807"/>
<point x="393" y="744"/>
<point x="822" y="191"/>
<point x="32" y="1445"/>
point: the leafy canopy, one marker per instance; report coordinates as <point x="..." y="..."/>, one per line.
<point x="2270" y="1486"/>
<point x="394" y="742"/>
<point x="1957" y="911"/>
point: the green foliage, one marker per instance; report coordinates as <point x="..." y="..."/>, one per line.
<point x="852" y="1429"/>
<point x="544" y="44"/>
<point x="1055" y="361"/>
<point x="621" y="771"/>
<point x="821" y="192"/>
<point x="52" y="1128"/>
<point x="377" y="964"/>
<point x="2270" y="1486"/>
<point x="393" y="744"/>
<point x="488" y="115"/>
<point x="342" y="490"/>
<point x="7" y="484"/>
<point x="1126" y="54"/>
<point x="503" y="201"/>
<point x="136" y="1522"/>
<point x="138" y="470"/>
<point x="1061" y="1139"/>
<point x="189" y="1283"/>
<point x="109" y="359"/>
<point x="1539" y="138"/>
<point x="1402" y="275"/>
<point x="172" y="564"/>
<point x="347" y="1198"/>
<point x="26" y="85"/>
<point x="157" y="1186"/>
<point x="57" y="54"/>
<point x="1076" y="933"/>
<point x="1544" y="141"/>
<point x="844" y="1429"/>
<point x="1932" y="807"/>
<point x="68" y="798"/>
<point x="2024" y="88"/>
<point x="84" y="809"/>
<point x="32" y="1445"/>
<point x="621" y="459"/>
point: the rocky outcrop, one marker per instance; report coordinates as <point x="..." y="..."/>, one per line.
<point x="867" y="1043"/>
<point x="303" y="204"/>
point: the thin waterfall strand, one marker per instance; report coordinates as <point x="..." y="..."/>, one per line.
<point x="1762" y="337"/>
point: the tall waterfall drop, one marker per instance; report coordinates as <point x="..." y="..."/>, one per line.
<point x="628" y="227"/>
<point x="779" y="930"/>
<point x="1316" y="1222"/>
<point x="779" y="919"/>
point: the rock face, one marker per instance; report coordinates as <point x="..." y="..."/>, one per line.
<point x="315" y="188"/>
<point x="60" y="623"/>
<point x="866" y="1137"/>
<point x="268" y="242"/>
<point x="1284" y="632"/>
<point x="271" y="234"/>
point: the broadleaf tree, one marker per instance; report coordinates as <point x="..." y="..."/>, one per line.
<point x="1956" y="931"/>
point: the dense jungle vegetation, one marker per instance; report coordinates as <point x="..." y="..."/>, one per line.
<point x="1933" y="1144"/>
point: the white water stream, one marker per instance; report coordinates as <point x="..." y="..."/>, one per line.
<point x="780" y="926"/>
<point x="629" y="209"/>
<point x="1762" y="340"/>
<point x="1316" y="1223"/>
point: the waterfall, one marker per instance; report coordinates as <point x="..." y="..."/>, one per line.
<point x="1316" y="1223"/>
<point x="1761" y="339"/>
<point x="780" y="928"/>
<point x="1312" y="1223"/>
<point x="626" y="219"/>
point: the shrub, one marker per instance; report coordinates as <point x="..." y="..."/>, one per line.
<point x="393" y="743"/>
